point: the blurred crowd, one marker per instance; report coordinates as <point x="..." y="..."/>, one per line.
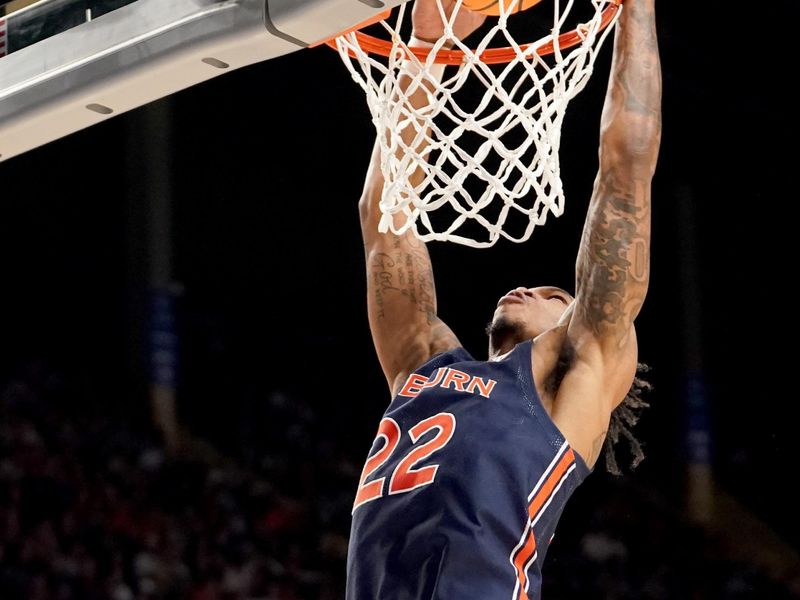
<point x="92" y="508"/>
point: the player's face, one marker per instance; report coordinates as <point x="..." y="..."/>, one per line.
<point x="524" y="313"/>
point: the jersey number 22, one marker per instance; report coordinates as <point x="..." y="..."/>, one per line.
<point x="405" y="477"/>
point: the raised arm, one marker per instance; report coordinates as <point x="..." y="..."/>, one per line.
<point x="612" y="269"/>
<point x="401" y="297"/>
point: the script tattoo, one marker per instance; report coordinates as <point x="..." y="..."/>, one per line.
<point x="405" y="270"/>
<point x="382" y="279"/>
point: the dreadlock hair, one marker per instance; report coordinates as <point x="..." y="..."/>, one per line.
<point x="624" y="418"/>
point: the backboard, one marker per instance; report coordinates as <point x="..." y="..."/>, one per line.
<point x="68" y="64"/>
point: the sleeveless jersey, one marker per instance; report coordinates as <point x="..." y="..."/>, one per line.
<point x="462" y="490"/>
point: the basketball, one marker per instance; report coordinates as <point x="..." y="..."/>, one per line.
<point x="492" y="7"/>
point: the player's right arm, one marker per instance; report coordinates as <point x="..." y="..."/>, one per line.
<point x="401" y="297"/>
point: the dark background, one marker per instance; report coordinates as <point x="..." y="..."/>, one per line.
<point x="267" y="164"/>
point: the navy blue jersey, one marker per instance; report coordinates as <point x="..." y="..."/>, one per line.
<point x="463" y="487"/>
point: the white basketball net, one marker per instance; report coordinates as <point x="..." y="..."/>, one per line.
<point x="482" y="159"/>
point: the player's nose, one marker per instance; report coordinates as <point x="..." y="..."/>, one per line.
<point x="520" y="292"/>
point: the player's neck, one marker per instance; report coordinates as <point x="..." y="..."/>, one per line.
<point x="499" y="351"/>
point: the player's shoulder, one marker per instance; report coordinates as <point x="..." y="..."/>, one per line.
<point x="578" y="370"/>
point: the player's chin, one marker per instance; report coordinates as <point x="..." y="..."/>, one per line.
<point x="503" y="326"/>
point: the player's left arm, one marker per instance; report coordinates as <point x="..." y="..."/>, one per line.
<point x="613" y="263"/>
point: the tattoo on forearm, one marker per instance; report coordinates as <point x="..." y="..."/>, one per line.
<point x="613" y="264"/>
<point x="404" y="270"/>
<point x="382" y="268"/>
<point x="638" y="69"/>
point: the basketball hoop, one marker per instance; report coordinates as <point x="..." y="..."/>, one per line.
<point x="482" y="161"/>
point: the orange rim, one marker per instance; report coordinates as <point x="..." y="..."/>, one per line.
<point x="491" y="56"/>
<point x="330" y="41"/>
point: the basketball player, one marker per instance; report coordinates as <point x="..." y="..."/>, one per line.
<point x="474" y="460"/>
